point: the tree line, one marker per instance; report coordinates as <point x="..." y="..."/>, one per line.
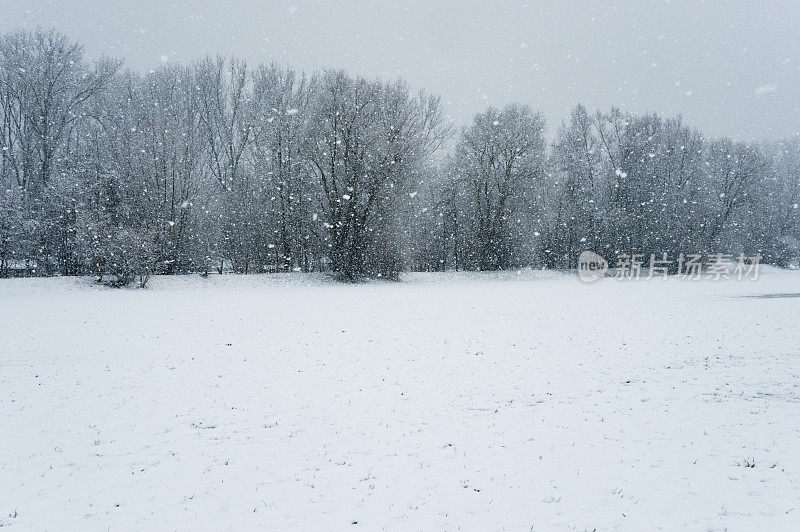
<point x="220" y="166"/>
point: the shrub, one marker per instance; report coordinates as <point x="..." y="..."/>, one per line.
<point x="126" y="255"/>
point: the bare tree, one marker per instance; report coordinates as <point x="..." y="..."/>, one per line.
<point x="46" y="86"/>
<point x="285" y="101"/>
<point x="498" y="161"/>
<point x="369" y="139"/>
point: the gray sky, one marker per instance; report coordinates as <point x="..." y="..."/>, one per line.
<point x="730" y="68"/>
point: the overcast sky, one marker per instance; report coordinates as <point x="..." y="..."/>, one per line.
<point x="729" y="67"/>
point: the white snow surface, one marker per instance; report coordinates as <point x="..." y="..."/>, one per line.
<point x="475" y="401"/>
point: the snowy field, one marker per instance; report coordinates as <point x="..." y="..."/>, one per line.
<point x="447" y="401"/>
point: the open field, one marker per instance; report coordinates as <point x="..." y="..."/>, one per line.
<point x="484" y="402"/>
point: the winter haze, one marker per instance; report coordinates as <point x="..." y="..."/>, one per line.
<point x="399" y="266"/>
<point x="730" y="68"/>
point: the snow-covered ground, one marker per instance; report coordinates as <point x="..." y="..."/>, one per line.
<point x="483" y="402"/>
